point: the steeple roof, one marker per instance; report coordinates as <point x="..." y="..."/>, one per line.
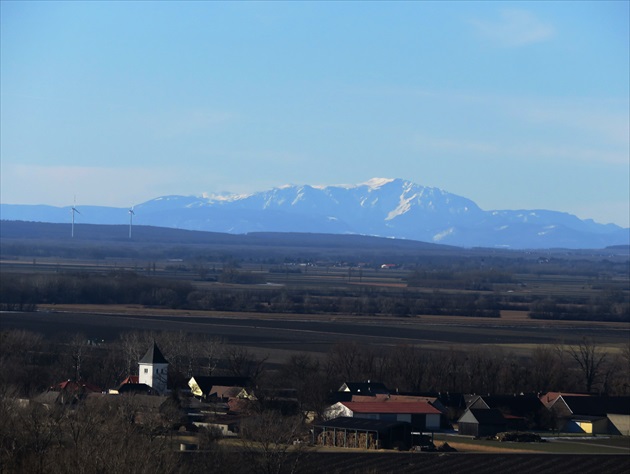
<point x="153" y="356"/>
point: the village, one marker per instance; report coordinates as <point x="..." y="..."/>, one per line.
<point x="359" y="415"/>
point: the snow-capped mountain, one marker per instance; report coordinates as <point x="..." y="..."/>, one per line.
<point x="380" y="207"/>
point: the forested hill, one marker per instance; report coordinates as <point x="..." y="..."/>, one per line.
<point x="20" y="233"/>
<point x="20" y="238"/>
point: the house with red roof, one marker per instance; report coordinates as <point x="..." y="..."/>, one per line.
<point x="433" y="401"/>
<point x="421" y="415"/>
<point x="77" y="386"/>
<point x="549" y="398"/>
<point x="130" y="379"/>
<point x="67" y="392"/>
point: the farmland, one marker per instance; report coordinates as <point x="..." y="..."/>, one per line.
<point x="315" y="333"/>
<point x="308" y="312"/>
<point x="460" y="462"/>
<point x="287" y="292"/>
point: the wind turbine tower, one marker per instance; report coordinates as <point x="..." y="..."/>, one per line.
<point x="74" y="211"/>
<point x="131" y="214"/>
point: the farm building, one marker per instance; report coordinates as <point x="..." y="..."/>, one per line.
<point x="420" y="415"/>
<point x="594" y="414"/>
<point x="520" y="411"/>
<point x="550" y="397"/>
<point x="362" y="433"/>
<point x="431" y="400"/>
<point x="482" y="422"/>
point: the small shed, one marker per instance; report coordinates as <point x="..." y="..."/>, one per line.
<point x="482" y="422"/>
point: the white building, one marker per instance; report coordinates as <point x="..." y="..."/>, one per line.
<point x="153" y="369"/>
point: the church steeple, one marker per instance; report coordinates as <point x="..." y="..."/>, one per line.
<point x="153" y="369"/>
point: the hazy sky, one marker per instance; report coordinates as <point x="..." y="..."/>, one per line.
<point x="513" y="105"/>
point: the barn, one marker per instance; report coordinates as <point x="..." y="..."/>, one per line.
<point x="482" y="422"/>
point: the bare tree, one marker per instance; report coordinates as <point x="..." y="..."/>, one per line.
<point x="408" y="368"/>
<point x="483" y="367"/>
<point x="304" y="373"/>
<point x="273" y="443"/>
<point x="209" y="352"/>
<point x="544" y="368"/>
<point x="134" y="345"/>
<point x="589" y="358"/>
<point x="78" y="348"/>
<point x="350" y="361"/>
<point x="243" y="363"/>
<point x="625" y="365"/>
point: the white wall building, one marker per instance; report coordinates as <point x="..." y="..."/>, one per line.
<point x="153" y="369"/>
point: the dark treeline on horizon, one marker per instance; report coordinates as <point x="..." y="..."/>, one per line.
<point x="24" y="291"/>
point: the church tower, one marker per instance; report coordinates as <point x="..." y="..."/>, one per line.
<point x="154" y="369"/>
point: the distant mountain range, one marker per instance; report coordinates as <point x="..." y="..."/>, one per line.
<point x="380" y="207"/>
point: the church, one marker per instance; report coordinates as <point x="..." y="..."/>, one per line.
<point x="153" y="369"/>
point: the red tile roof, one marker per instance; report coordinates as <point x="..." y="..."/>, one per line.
<point x="131" y="379"/>
<point x="392" y="398"/>
<point x="414" y="408"/>
<point x="550" y="397"/>
<point x="74" y="386"/>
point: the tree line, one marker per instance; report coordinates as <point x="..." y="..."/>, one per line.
<point x="24" y="291"/>
<point x="32" y="364"/>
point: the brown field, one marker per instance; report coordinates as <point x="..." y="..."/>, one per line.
<point x="454" y="463"/>
<point x="278" y="335"/>
<point x="333" y="277"/>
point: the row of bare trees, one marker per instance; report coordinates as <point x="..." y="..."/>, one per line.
<point x="584" y="366"/>
<point x="33" y="363"/>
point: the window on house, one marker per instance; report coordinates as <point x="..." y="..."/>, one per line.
<point x="146" y="371"/>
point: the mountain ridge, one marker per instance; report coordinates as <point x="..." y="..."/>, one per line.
<point x="385" y="207"/>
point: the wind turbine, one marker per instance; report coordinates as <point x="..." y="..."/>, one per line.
<point x="73" y="211"/>
<point x="131" y="214"/>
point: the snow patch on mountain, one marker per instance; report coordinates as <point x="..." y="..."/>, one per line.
<point x="443" y="235"/>
<point x="376" y="183"/>
<point x="403" y="207"/>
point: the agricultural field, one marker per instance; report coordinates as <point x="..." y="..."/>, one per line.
<point x="285" y="333"/>
<point x="479" y="463"/>
<point x="308" y="313"/>
<point x="551" y="445"/>
<point x="278" y="295"/>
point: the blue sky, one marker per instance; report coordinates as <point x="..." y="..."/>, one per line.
<point x="515" y="105"/>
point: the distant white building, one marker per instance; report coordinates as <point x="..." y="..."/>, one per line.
<point x="153" y="369"/>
